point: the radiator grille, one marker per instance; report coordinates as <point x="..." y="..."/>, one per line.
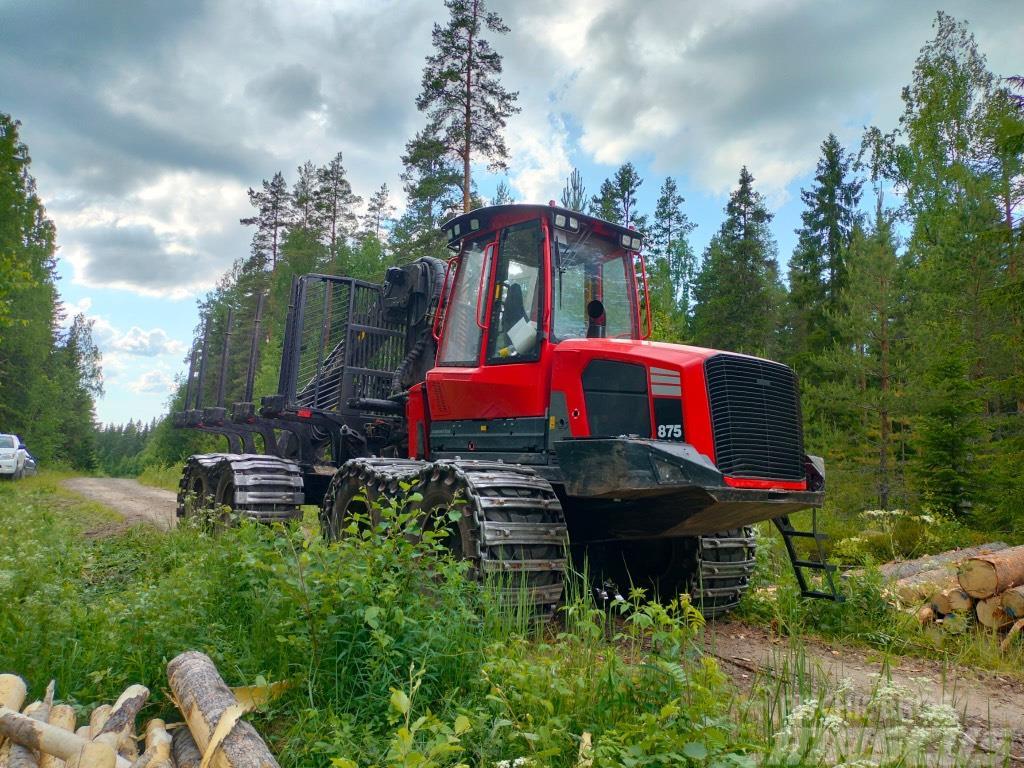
<point x="755" y="418"/>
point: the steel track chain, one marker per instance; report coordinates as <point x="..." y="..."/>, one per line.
<point x="725" y="564"/>
<point x="263" y="488"/>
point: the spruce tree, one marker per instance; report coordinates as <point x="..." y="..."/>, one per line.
<point x="604" y="205"/>
<point x="431" y="183"/>
<point x="817" y="269"/>
<point x="737" y="291"/>
<point x="466" y="105"/>
<point x="669" y="234"/>
<point x="272" y="206"/>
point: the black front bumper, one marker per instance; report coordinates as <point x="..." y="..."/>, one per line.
<point x="640" y="488"/>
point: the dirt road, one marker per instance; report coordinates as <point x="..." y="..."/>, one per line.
<point x="135" y="502"/>
<point x="990" y="706"/>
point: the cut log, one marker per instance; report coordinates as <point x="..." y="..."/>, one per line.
<point x="23" y="756"/>
<point x="919" y="588"/>
<point x="61" y="716"/>
<point x="119" y="724"/>
<point x="951" y="600"/>
<point x="991" y="614"/>
<point x="183" y="747"/>
<point x="205" y="700"/>
<point x="158" y="745"/>
<point x="98" y="718"/>
<point x="1013" y="602"/>
<point x="43" y="737"/>
<point x="925" y="615"/>
<point x="12" y="692"/>
<point x="988" y="575"/>
<point x="904" y="568"/>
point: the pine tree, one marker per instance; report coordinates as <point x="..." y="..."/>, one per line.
<point x="271" y="220"/>
<point x="431" y="184"/>
<point x="737" y="291"/>
<point x="574" y="195"/>
<point x="378" y="213"/>
<point x="466" y="105"/>
<point x="336" y="201"/>
<point x="304" y="212"/>
<point x="817" y="269"/>
<point x="502" y="195"/>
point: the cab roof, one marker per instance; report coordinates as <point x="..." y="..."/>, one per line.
<point x="481" y="219"/>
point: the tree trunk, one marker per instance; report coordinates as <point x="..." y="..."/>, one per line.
<point x="186" y="753"/>
<point x="987" y="575"/>
<point x="76" y="751"/>
<point x="467" y="146"/>
<point x="61" y="716"/>
<point x="904" y="568"/>
<point x="991" y="613"/>
<point x="1013" y="602"/>
<point x="204" y="699"/>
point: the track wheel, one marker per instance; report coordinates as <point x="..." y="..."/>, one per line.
<point x="726" y="563"/>
<point x="509" y="522"/>
<point x="195" y="490"/>
<point x="356" y="489"/>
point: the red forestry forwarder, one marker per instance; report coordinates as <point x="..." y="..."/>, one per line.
<point x="519" y="378"/>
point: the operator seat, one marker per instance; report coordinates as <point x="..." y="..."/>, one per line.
<point x="514" y="308"/>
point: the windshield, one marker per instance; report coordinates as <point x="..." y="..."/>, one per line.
<point x="7" y="441"/>
<point x="593" y="288"/>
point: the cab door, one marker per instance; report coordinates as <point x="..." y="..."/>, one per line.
<point x="491" y="363"/>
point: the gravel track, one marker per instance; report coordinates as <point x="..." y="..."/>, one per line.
<point x="135" y="502"/>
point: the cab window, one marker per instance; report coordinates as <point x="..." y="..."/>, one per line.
<point x="461" y="342"/>
<point x="518" y="291"/>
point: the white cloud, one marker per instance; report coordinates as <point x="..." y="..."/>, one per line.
<point x="147" y="343"/>
<point x="152" y="383"/>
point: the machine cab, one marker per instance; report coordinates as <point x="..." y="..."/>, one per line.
<point x="525" y="278"/>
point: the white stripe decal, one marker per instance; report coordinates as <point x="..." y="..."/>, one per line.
<point x="662" y="389"/>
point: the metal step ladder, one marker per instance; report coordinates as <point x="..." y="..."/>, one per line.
<point x="789" y="533"/>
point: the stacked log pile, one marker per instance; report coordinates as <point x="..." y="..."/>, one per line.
<point x="44" y="735"/>
<point x="983" y="583"/>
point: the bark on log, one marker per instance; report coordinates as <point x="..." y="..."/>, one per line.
<point x="61" y="716"/>
<point x="988" y="575"/>
<point x="183" y="747"/>
<point x="204" y="699"/>
<point x="158" y="744"/>
<point x="991" y="614"/>
<point x="1013" y="602"/>
<point x="73" y="749"/>
<point x="905" y="568"/>
<point x="919" y="588"/>
<point x="120" y="721"/>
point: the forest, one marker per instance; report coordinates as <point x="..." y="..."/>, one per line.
<point x="901" y="308"/>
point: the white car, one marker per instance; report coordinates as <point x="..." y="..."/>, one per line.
<point x="12" y="456"/>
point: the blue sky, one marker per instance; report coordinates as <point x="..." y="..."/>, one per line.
<point x="147" y="121"/>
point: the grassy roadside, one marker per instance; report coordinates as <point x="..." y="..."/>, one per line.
<point x="393" y="657"/>
<point x="161" y="477"/>
<point x="866" y="619"/>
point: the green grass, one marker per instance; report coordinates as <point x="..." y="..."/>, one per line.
<point x="161" y="477"/>
<point x="393" y="657"/>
